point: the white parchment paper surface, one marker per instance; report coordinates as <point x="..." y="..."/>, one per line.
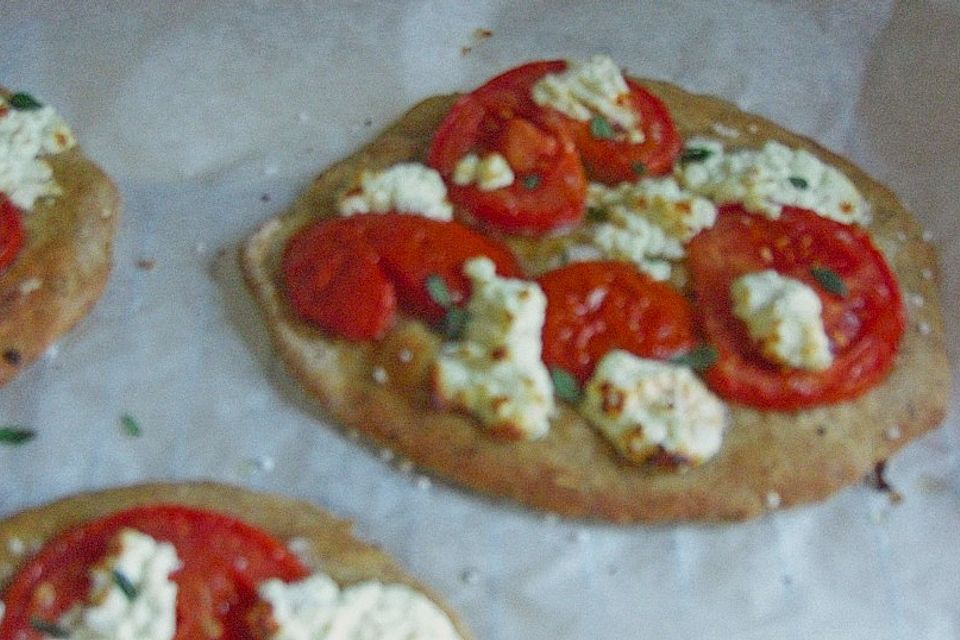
<point x="211" y="116"/>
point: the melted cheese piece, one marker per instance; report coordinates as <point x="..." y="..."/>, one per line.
<point x="489" y="173"/>
<point x="647" y="408"/>
<point x="407" y="187"/>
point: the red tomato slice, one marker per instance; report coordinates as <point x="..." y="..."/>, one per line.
<point x="549" y="186"/>
<point x="347" y="275"/>
<point x="223" y="562"/>
<point x="864" y="326"/>
<point x="11" y="232"/>
<point x="594" y="307"/>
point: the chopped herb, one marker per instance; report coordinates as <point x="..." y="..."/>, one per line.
<point x="639" y="168"/>
<point x="437" y="289"/>
<point x="829" y="280"/>
<point x="695" y="154"/>
<point x="130" y="426"/>
<point x="700" y="358"/>
<point x="454" y="322"/>
<point x="14" y="435"/>
<point x="565" y="385"/>
<point x="51" y="629"/>
<point x="597" y="214"/>
<point x="798" y="182"/>
<point x="24" y="102"/>
<point x="531" y="182"/>
<point x="601" y="128"/>
<point x="125" y="585"/>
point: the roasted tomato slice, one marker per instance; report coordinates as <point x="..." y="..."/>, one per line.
<point x="864" y="325"/>
<point x="348" y="275"/>
<point x="549" y="184"/>
<point x="223" y="562"/>
<point x="11" y="232"/>
<point x="594" y="307"/>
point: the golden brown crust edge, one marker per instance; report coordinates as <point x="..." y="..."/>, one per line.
<point x="63" y="267"/>
<point x="768" y="459"/>
<point x="330" y="546"/>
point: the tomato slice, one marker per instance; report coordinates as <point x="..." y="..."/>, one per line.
<point x="348" y="275"/>
<point x="864" y="326"/>
<point x="11" y="232"/>
<point x="594" y="307"/>
<point x="223" y="562"/>
<point x="549" y="187"/>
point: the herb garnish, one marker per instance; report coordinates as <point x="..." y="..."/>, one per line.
<point x="455" y="318"/>
<point x="695" y="154"/>
<point x="454" y="322"/>
<point x="565" y="385"/>
<point x="597" y="214"/>
<point x="24" y="102"/>
<point x="14" y="435"/>
<point x="798" y="182"/>
<point x="601" y="128"/>
<point x="51" y="629"/>
<point x="829" y="280"/>
<point x="700" y="358"/>
<point x="531" y="182"/>
<point x="437" y="289"/>
<point x="130" y="426"/>
<point x="639" y="168"/>
<point x="125" y="585"/>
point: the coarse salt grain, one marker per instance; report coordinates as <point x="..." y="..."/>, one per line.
<point x="772" y="500"/>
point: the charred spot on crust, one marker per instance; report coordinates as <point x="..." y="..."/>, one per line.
<point x="12" y="357"/>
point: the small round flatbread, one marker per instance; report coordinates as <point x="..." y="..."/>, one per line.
<point x="323" y="542"/>
<point x="62" y="269"/>
<point x="767" y="460"/>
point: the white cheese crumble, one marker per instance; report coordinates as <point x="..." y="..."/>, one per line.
<point x="407" y="187"/>
<point x="648" y="407"/>
<point x="489" y="173"/>
<point x="767" y="180"/>
<point x="783" y="316"/>
<point x="25" y="136"/>
<point x="496" y="372"/>
<point x="147" y="612"/>
<point x="588" y="89"/>
<point x="316" y="609"/>
<point x="646" y="222"/>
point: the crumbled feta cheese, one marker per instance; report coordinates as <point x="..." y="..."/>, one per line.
<point x="783" y="316"/>
<point x="489" y="173"/>
<point x="767" y="180"/>
<point x="25" y="136"/>
<point x="316" y="608"/>
<point x="496" y="372"/>
<point x="588" y="89"/>
<point x="648" y="407"/>
<point x="407" y="187"/>
<point x="145" y="609"/>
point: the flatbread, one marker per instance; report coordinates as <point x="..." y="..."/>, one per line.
<point x="768" y="459"/>
<point x="63" y="267"/>
<point x="322" y="541"/>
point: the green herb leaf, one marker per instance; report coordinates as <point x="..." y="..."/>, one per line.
<point x="695" y="154"/>
<point x="51" y="629"/>
<point x="798" y="182"/>
<point x="24" y="102"/>
<point x="125" y="585"/>
<point x="639" y="168"/>
<point x="130" y="426"/>
<point x="702" y="357"/>
<point x="597" y="214"/>
<point x="454" y="322"/>
<point x="601" y="128"/>
<point x="565" y="386"/>
<point x="14" y="435"/>
<point x="438" y="291"/>
<point x="531" y="182"/>
<point x="830" y="280"/>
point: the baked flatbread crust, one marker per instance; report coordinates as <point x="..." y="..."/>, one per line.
<point x="323" y="542"/>
<point x="768" y="459"/>
<point x="63" y="267"/>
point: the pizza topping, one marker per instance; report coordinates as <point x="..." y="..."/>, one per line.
<point x="654" y="412"/>
<point x="27" y="133"/>
<point x="496" y="372"/>
<point x="11" y="232"/>
<point x="317" y="608"/>
<point x="488" y="173"/>
<point x="783" y="316"/>
<point x="595" y="307"/>
<point x="767" y="180"/>
<point x="407" y="187"/>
